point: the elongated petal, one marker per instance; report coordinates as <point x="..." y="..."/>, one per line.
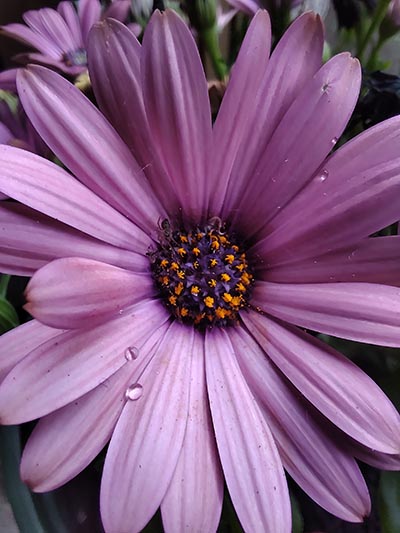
<point x="295" y="60"/>
<point x="250" y="460"/>
<point x="178" y="109"/>
<point x="15" y="344"/>
<point x="8" y="80"/>
<point x="374" y="260"/>
<point x="74" y="292"/>
<point x="46" y="187"/>
<point x="52" y="26"/>
<point x="233" y="119"/>
<point x="118" y="10"/>
<point x="66" y="367"/>
<point x="64" y="442"/>
<point x="32" y="38"/>
<point x="89" y="12"/>
<point x="69" y="14"/>
<point x="114" y="54"/>
<point x="323" y="468"/>
<point x="85" y="142"/>
<point x="335" y="385"/>
<point x="147" y="441"/>
<point x="248" y="6"/>
<point x="194" y="497"/>
<point x="359" y="311"/>
<point x="29" y="240"/>
<point x="338" y="207"/>
<point x="382" y="461"/>
<point x="316" y="118"/>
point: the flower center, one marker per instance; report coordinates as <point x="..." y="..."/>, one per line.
<point x="77" y="58"/>
<point x="202" y="275"/>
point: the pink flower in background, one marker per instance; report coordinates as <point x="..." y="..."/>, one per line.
<point x="251" y="6"/>
<point x="175" y="269"/>
<point x="60" y="36"/>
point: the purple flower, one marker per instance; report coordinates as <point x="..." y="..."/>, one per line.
<point x="171" y="227"/>
<point x="60" y="36"/>
<point x="251" y="6"/>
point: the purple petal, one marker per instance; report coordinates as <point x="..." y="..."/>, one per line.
<point x="194" y="497"/>
<point x="382" y="461"/>
<point x="5" y="134"/>
<point x="338" y="208"/>
<point x="15" y="344"/>
<point x="89" y="12"/>
<point x="22" y="255"/>
<point x="233" y="120"/>
<point x="118" y="9"/>
<point x="85" y="142"/>
<point x="8" y="80"/>
<point x="69" y="14"/>
<point x="147" y="441"/>
<point x="74" y="292"/>
<point x="63" y="369"/>
<point x="52" y="26"/>
<point x="316" y="118"/>
<point x="250" y="460"/>
<point x="178" y="109"/>
<point x="295" y="60"/>
<point x="374" y="260"/>
<point x="30" y="37"/>
<point x="363" y="312"/>
<point x="322" y="468"/>
<point x="48" y="188"/>
<point x="64" y="442"/>
<point x="114" y="53"/>
<point x="335" y="385"/>
<point x="247" y="6"/>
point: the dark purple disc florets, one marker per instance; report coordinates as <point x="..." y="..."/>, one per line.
<point x="202" y="275"/>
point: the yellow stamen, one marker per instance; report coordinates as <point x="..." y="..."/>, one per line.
<point x="172" y="300"/>
<point x="229" y="258"/>
<point x="195" y="289"/>
<point x="196" y="251"/>
<point x="182" y="251"/>
<point x="227" y="297"/>
<point x="213" y="263"/>
<point x="209" y="301"/>
<point x="212" y="283"/>
<point x="178" y="289"/>
<point x="225" y="276"/>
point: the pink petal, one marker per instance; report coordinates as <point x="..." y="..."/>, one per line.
<point x="250" y="460"/>
<point x="374" y="260"/>
<point x="118" y="9"/>
<point x="15" y="344"/>
<point x="363" y="312"/>
<point x="147" y="441"/>
<point x="295" y="60"/>
<point x="248" y="6"/>
<point x="114" y="54"/>
<point x="313" y="458"/>
<point x="46" y="187"/>
<point x="382" y="461"/>
<point x="233" y="120"/>
<point x="74" y="292"/>
<point x="22" y="255"/>
<point x="84" y="141"/>
<point x="316" y="118"/>
<point x="339" y="206"/>
<point x="64" y="442"/>
<point x="335" y="385"/>
<point x="67" y="367"/>
<point x="178" y="109"/>
<point x="194" y="497"/>
<point x="8" y="80"/>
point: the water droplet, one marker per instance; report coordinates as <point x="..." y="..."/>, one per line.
<point x="286" y="160"/>
<point x="131" y="353"/>
<point x="334" y="141"/>
<point x="120" y="311"/>
<point x="323" y="175"/>
<point x="134" y="392"/>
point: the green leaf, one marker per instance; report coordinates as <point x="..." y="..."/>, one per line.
<point x="8" y="316"/>
<point x="17" y="493"/>
<point x="389" y="502"/>
<point x="297" y="517"/>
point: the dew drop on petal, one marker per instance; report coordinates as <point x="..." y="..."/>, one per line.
<point x="134" y="392"/>
<point x="131" y="353"/>
<point x="334" y="141"/>
<point x="323" y="175"/>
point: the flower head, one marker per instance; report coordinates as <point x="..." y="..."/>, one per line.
<point x="60" y="35"/>
<point x="138" y="256"/>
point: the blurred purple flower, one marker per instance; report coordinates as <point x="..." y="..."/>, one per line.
<point x="251" y="6"/>
<point x="60" y="35"/>
<point x="139" y="246"/>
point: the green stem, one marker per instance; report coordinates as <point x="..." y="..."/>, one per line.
<point x="376" y="21"/>
<point x="209" y="38"/>
<point x="374" y="54"/>
<point x="4" y="281"/>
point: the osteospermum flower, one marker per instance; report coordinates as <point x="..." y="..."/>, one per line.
<point x="60" y="35"/>
<point x="251" y="6"/>
<point x="175" y="270"/>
